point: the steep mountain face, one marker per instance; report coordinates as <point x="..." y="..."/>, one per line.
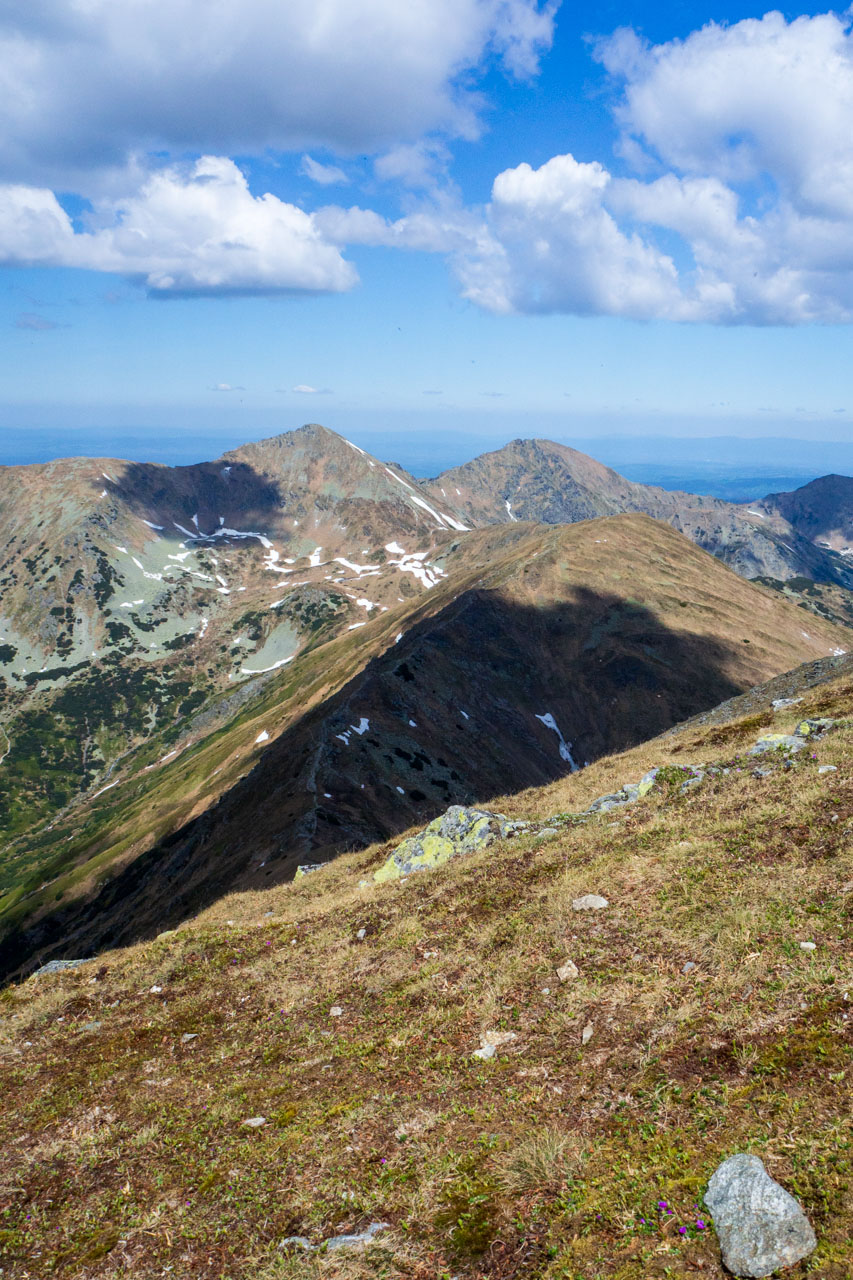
<point x="541" y="650"/>
<point x="541" y="480"/>
<point x="131" y="594"/>
<point x="821" y="511"/>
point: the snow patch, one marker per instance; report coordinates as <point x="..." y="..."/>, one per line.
<point x="159" y="527"/>
<point x="508" y="506"/>
<point x="360" y="728"/>
<point x="414" y="563"/>
<point x="565" y="747"/>
<point x="263" y="736"/>
<point x="257" y="671"/>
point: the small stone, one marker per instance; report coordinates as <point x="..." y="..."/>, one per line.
<point x="590" y="902"/>
<point x="761" y="1228"/>
<point x="547" y="833"/>
<point x="350" y="1241"/>
<point x="689" y="967"/>
<point x="487" y="1051"/>
<point x="335" y="1011"/>
<point x="497" y="1038"/>
<point x="361" y="935"/>
<point x="188" y="1036"/>
<point x="254" y="1122"/>
<point x="295" y="1242"/>
<point x="568" y="971"/>
<point x="155" y="991"/>
<point x="546" y="991"/>
<point x="828" y="768"/>
<point x="586" y="1034"/>
<point x="808" y="946"/>
<point x="91" y="1026"/>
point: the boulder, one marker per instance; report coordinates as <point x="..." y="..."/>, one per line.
<point x="761" y="1228"/>
<point x="459" y="830"/>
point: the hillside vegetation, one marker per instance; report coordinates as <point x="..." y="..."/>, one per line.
<point x="346" y="1015"/>
<point x="616" y="628"/>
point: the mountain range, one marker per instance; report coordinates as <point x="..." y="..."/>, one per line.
<point x="217" y="672"/>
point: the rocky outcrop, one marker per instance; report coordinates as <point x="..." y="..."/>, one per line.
<point x="459" y="830"/>
<point x="761" y="1228"/>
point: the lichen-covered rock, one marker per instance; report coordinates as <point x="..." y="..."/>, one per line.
<point x="761" y="1228"/>
<point x="806" y="731"/>
<point x="305" y="869"/>
<point x="625" y="795"/>
<point x="459" y="830"/>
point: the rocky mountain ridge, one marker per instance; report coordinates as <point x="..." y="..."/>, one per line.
<point x="549" y="482"/>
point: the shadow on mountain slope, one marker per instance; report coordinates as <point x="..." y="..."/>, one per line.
<point x="452" y="714"/>
<point x="206" y="490"/>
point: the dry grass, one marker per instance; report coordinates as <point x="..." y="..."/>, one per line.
<point x="124" y="1151"/>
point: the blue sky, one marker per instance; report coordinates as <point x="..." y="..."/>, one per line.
<point x="492" y="217"/>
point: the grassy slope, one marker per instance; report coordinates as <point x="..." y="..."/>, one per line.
<point x="750" y="634"/>
<point x="123" y="1144"/>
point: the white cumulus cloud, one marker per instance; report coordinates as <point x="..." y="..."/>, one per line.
<point x="192" y="229"/>
<point x="90" y="83"/>
<point x="743" y="212"/>
<point x="326" y="175"/>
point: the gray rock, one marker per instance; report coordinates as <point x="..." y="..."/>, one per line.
<point x="360" y="1237"/>
<point x="295" y="1242"/>
<point x="777" y="742"/>
<point x="761" y="1228"/>
<point x="779" y="704"/>
<point x="828" y="768"/>
<point x="547" y="833"/>
<point x="689" y="967"/>
<point x="57" y="966"/>
<point x="590" y="902"/>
